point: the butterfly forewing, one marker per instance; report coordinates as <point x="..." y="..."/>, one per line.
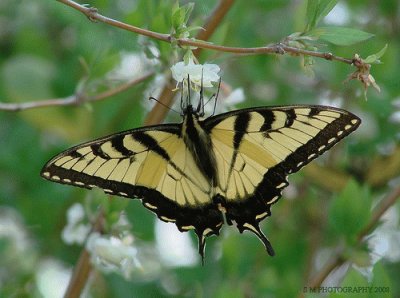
<point x="155" y="158"/>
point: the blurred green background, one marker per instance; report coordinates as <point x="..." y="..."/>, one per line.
<point x="49" y="50"/>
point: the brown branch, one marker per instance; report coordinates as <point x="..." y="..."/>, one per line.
<point x="92" y="15"/>
<point x="339" y="259"/>
<point x="83" y="268"/>
<point x="72" y="99"/>
<point x="218" y="14"/>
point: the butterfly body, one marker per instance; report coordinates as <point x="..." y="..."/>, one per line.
<point x="198" y="172"/>
<point x="198" y="142"/>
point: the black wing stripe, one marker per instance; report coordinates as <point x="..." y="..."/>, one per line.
<point x="98" y="151"/>
<point x="240" y="128"/>
<point x="290" y="117"/>
<point x="151" y="144"/>
<point x="118" y="144"/>
<point x="269" y="118"/>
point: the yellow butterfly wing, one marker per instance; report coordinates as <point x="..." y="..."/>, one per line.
<point x="256" y="149"/>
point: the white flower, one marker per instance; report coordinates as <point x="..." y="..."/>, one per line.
<point x="52" y="278"/>
<point x="133" y="65"/>
<point x="112" y="254"/>
<point x="124" y="256"/>
<point x="197" y="73"/>
<point x="75" y="213"/>
<point x="75" y="233"/>
<point x="76" y="230"/>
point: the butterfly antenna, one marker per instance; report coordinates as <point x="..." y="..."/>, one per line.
<point x="188" y="86"/>
<point x="164" y="105"/>
<point x="181" y="87"/>
<point x="200" y="107"/>
<point x="216" y="97"/>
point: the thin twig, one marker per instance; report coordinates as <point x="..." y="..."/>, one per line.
<point x="339" y="259"/>
<point x="92" y="15"/>
<point x="75" y="99"/>
<point x="278" y="48"/>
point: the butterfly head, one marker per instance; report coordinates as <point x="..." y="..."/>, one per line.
<point x="186" y="105"/>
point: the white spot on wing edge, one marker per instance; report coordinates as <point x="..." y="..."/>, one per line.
<point x="167" y="219"/>
<point x="331" y="140"/>
<point x="46" y="174"/>
<point x="55" y="178"/>
<point x="282" y="185"/>
<point x="354" y="121"/>
<point x="262" y="215"/>
<point x="312" y="156"/>
<point x="348" y="126"/>
<point x="150" y="206"/>
<point x="273" y="200"/>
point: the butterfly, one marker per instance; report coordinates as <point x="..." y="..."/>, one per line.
<point x="203" y="172"/>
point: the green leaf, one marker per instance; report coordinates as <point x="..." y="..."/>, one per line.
<point x="324" y="7"/>
<point x="350" y="211"/>
<point x="318" y="9"/>
<point x="188" y="11"/>
<point x="374" y="58"/>
<point x="340" y="35"/>
<point x="180" y="16"/>
<point x="311" y="11"/>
